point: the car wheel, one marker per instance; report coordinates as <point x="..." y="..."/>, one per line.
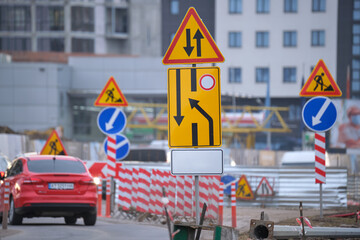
<point x="70" y="220"/>
<point x="90" y="219"/>
<point x="14" y="218"/>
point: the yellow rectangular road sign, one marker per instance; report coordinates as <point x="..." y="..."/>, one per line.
<point x="194" y="107"/>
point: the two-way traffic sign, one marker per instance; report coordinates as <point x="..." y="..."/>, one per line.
<point x="192" y="43"/>
<point x="194" y="102"/>
<point x="319" y="114"/>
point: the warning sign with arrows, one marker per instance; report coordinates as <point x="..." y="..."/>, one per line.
<point x="111" y="95"/>
<point x="320" y="83"/>
<point x="53" y="145"/>
<point x="243" y="190"/>
<point x="194" y="107"/>
<point x="192" y="43"/>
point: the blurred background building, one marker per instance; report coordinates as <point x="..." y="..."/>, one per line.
<point x="63" y="52"/>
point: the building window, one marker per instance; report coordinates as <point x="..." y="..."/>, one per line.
<point x="356" y="39"/>
<point x="318" y="38"/>
<point x="120" y="24"/>
<point x="82" y="19"/>
<point x="51" y="44"/>
<point x="289" y="75"/>
<point x="355" y="85"/>
<point x="262" y="75"/>
<point x="263" y="6"/>
<point x="174" y="7"/>
<point x="318" y="5"/>
<point x="234" y="75"/>
<point x="235" y="39"/>
<point x="15" y="18"/>
<point x="82" y="45"/>
<point x="49" y="18"/>
<point x="81" y="117"/>
<point x="356" y="15"/>
<point x="235" y="6"/>
<point x="290" y="39"/>
<point x="15" y="44"/>
<point x="262" y="39"/>
<point x="290" y="6"/>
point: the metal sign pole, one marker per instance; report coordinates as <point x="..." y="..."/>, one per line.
<point x="197" y="206"/>
<point x="321" y="202"/>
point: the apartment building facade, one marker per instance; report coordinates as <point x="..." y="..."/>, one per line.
<point x="81" y="26"/>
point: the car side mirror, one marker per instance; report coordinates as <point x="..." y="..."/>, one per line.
<point x="2" y="175"/>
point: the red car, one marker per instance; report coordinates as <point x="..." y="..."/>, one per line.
<point x="50" y="186"/>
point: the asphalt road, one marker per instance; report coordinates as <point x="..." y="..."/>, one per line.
<point x="55" y="228"/>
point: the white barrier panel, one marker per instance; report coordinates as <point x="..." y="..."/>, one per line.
<point x="197" y="162"/>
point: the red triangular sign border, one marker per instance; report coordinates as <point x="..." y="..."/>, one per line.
<point x="337" y="92"/>
<point x="192" y="12"/>
<point x="47" y="142"/>
<point x="252" y="193"/>
<point x="267" y="183"/>
<point x="97" y="101"/>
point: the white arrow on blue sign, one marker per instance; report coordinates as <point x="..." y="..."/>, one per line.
<point x="122" y="146"/>
<point x="111" y="120"/>
<point x="319" y="114"/>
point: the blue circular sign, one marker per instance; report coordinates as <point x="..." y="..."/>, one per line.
<point x="319" y="114"/>
<point x="122" y="146"/>
<point x="111" y="120"/>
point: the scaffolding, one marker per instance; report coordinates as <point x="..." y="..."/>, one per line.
<point x="235" y="120"/>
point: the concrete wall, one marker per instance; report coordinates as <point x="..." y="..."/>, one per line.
<point x="33" y="95"/>
<point x="133" y="75"/>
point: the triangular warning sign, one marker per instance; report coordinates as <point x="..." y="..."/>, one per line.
<point x="320" y="83"/>
<point x="192" y="43"/>
<point x="243" y="190"/>
<point x="111" y="95"/>
<point x="53" y="145"/>
<point x="264" y="189"/>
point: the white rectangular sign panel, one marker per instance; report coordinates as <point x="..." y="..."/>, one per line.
<point x="197" y="162"/>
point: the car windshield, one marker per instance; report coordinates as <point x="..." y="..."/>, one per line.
<point x="55" y="166"/>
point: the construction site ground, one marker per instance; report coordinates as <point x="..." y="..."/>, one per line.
<point x="280" y="216"/>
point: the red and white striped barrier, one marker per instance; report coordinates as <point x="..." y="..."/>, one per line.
<point x="135" y="183"/>
<point x="188" y="195"/>
<point x="160" y="183"/>
<point x="143" y="190"/>
<point x="204" y="193"/>
<point x="153" y="191"/>
<point x="99" y="203"/>
<point x="214" y="186"/>
<point x="171" y="193"/>
<point x="233" y="205"/>
<point x="180" y="182"/>
<point x="221" y="203"/>
<point x="320" y="169"/>
<point x="124" y="189"/>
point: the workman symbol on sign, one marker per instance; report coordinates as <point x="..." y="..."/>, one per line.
<point x="111" y="97"/>
<point x="53" y="147"/>
<point x="241" y="191"/>
<point x="319" y="82"/>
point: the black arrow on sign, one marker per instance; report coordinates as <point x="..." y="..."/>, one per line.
<point x="178" y="117"/>
<point x="195" y="103"/>
<point x="188" y="48"/>
<point x="198" y="36"/>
